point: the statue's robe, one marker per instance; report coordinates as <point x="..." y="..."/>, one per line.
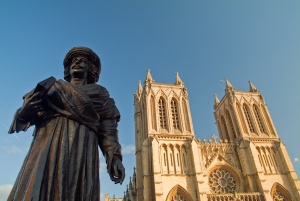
<point x="63" y="160"/>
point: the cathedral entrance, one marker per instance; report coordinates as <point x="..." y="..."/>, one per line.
<point x="178" y="193"/>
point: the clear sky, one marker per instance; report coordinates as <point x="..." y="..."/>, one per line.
<point x="205" y="41"/>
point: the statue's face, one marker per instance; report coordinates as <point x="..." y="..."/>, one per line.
<point x="79" y="67"/>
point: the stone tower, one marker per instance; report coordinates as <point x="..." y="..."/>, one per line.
<point x="249" y="162"/>
<point x="243" y="118"/>
<point x="164" y="139"/>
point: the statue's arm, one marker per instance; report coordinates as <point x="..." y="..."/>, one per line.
<point x="25" y="116"/>
<point x="18" y="124"/>
<point x="109" y="142"/>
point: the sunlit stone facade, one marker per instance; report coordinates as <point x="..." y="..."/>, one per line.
<point x="248" y="163"/>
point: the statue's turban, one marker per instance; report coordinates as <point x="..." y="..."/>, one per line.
<point x="83" y="52"/>
<point x="86" y="52"/>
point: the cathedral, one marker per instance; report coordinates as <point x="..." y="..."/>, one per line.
<point x="248" y="163"/>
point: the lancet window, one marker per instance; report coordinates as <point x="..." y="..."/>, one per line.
<point x="258" y="119"/>
<point x="164" y="159"/>
<point x="267" y="159"/>
<point x="231" y="124"/>
<point x="241" y="118"/>
<point x="153" y="113"/>
<point x="225" y="129"/>
<point x="177" y="161"/>
<point x="174" y="110"/>
<point x="162" y="113"/>
<point x="247" y="115"/>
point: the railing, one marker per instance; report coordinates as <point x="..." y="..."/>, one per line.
<point x="236" y="197"/>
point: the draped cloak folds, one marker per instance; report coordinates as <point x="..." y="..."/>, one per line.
<point x="63" y="161"/>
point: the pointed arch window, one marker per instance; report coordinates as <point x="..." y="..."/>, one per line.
<point x="162" y="113"/>
<point x="241" y="118"/>
<point x="225" y="129"/>
<point x="247" y="115"/>
<point x="279" y="193"/>
<point x="174" y="110"/>
<point x="258" y="119"/>
<point x="164" y="159"/>
<point x="153" y="113"/>
<point x="231" y="124"/>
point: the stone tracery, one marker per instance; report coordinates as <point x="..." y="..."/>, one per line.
<point x="222" y="181"/>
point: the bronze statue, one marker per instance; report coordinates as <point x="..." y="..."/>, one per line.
<point x="71" y="119"/>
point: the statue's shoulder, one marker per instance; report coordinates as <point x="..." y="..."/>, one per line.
<point x="101" y="90"/>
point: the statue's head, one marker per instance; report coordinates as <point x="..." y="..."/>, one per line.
<point x="91" y="56"/>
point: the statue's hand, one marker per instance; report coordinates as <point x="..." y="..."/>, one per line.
<point x="117" y="173"/>
<point x="32" y="104"/>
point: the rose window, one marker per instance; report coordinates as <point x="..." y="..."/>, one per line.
<point x="221" y="181"/>
<point x="178" y="197"/>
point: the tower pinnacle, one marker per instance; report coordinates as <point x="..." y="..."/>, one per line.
<point x="228" y="85"/>
<point x="149" y="77"/>
<point x="217" y="101"/>
<point x="252" y="87"/>
<point x="178" y="81"/>
<point x="140" y="88"/>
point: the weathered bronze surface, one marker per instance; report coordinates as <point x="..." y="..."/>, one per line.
<point x="72" y="118"/>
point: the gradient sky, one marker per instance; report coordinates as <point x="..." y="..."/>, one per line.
<point x="205" y="41"/>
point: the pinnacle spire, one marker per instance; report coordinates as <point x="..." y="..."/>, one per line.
<point x="134" y="174"/>
<point x="252" y="87"/>
<point x="140" y="88"/>
<point x="130" y="183"/>
<point x="228" y="85"/>
<point x="217" y="101"/>
<point x="178" y="81"/>
<point x="149" y="77"/>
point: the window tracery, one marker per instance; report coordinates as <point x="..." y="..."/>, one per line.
<point x="162" y="113"/>
<point x="153" y="113"/>
<point x="279" y="193"/>
<point x="258" y="119"/>
<point x="225" y="128"/>
<point x="175" y="118"/>
<point x="222" y="181"/>
<point x="231" y="124"/>
<point x="177" y="193"/>
<point x="178" y="197"/>
<point x="241" y="118"/>
<point x="247" y="115"/>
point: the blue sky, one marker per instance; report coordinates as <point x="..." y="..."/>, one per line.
<point x="205" y="41"/>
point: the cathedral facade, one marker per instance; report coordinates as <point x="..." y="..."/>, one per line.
<point x="248" y="163"/>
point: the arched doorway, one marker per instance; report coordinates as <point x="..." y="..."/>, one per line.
<point x="178" y="193"/>
<point x="279" y="193"/>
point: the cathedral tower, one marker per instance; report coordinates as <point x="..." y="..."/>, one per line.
<point x="164" y="135"/>
<point x="243" y="119"/>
